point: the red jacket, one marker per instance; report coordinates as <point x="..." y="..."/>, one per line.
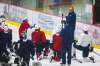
<point x="56" y="42"/>
<point x="10" y="30"/>
<point x="43" y="37"/>
<point x="1" y="29"/>
<point x="25" y="25"/>
<point x="38" y="36"/>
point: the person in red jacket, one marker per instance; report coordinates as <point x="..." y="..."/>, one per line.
<point x="56" y="46"/>
<point x="1" y="29"/>
<point x="39" y="40"/>
<point x="45" y="44"/>
<point x="24" y="26"/>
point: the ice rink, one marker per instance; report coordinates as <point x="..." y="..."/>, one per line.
<point x="46" y="62"/>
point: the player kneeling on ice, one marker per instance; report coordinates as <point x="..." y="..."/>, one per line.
<point x="84" y="44"/>
<point x="56" y="47"/>
<point x="39" y="40"/>
<point x="24" y="48"/>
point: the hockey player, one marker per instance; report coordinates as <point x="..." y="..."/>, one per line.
<point x="45" y="43"/>
<point x="39" y="39"/>
<point x="57" y="46"/>
<point x="24" y="48"/>
<point x="83" y="44"/>
<point x="5" y="43"/>
<point x="46" y="48"/>
<point x="24" y="26"/>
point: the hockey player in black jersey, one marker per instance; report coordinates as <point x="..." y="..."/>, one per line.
<point x="5" y="43"/>
<point x="24" y="48"/>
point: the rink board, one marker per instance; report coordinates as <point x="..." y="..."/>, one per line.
<point x="17" y="24"/>
<point x="93" y="30"/>
<point x="48" y="23"/>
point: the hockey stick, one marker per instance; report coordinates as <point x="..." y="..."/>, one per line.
<point x="92" y="59"/>
<point x="77" y="60"/>
<point x="62" y="20"/>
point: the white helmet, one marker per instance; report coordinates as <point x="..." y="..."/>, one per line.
<point x="37" y="27"/>
<point x="5" y="27"/>
<point x="3" y="24"/>
<point x="58" y="30"/>
<point x="85" y="28"/>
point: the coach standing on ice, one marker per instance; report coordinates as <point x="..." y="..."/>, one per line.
<point x="67" y="35"/>
<point x="71" y="20"/>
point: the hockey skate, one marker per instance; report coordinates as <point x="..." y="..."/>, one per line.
<point x="57" y="59"/>
<point x="36" y="64"/>
<point x="6" y="64"/>
<point x="86" y="60"/>
<point x="62" y="64"/>
<point x="92" y="59"/>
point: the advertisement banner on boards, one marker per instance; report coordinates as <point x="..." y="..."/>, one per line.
<point x="49" y="23"/>
<point x="17" y="14"/>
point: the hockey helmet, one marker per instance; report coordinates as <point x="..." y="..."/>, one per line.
<point x="85" y="28"/>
